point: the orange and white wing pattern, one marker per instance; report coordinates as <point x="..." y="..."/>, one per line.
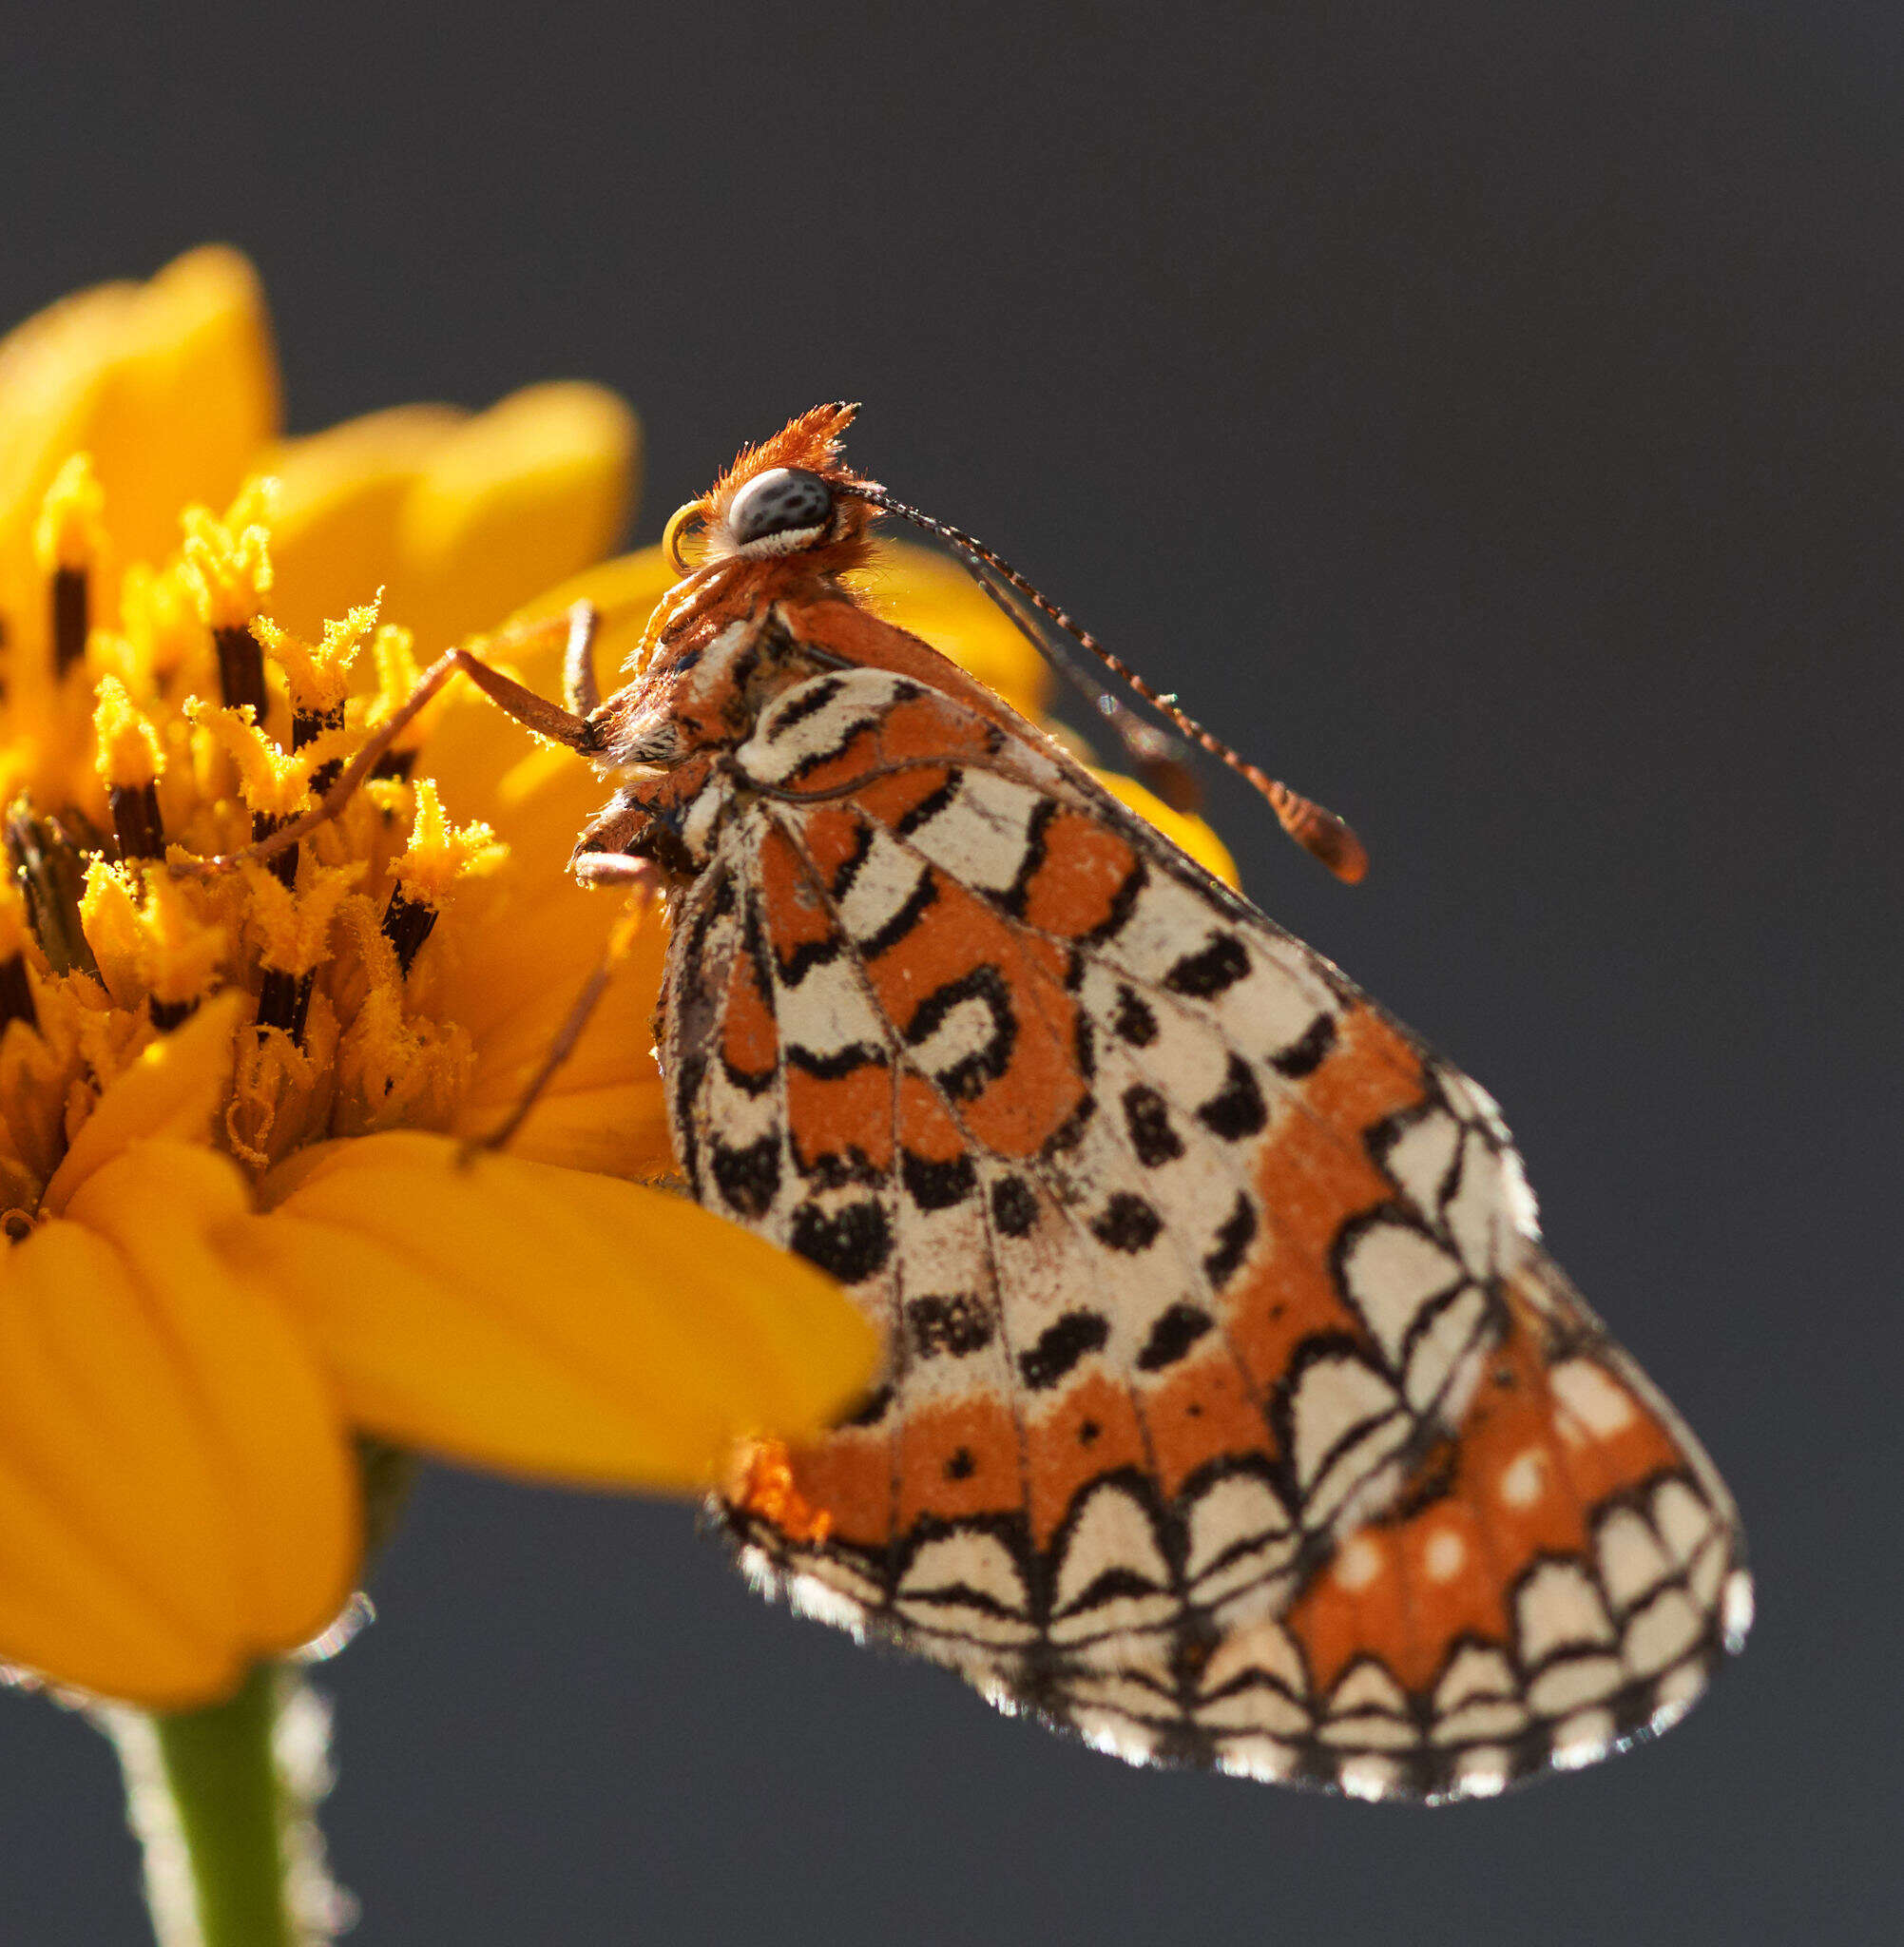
<point x="1234" y="1414"/>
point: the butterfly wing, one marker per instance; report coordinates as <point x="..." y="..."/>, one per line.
<point x="1233" y="1413"/>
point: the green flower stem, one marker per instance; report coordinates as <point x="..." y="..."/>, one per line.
<point x="225" y="1784"/>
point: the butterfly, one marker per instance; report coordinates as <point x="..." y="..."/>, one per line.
<point x="1233" y="1413"/>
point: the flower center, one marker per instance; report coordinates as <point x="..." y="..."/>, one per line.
<point x="170" y="713"/>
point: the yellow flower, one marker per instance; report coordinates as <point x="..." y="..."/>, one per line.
<point x="229" y="1108"/>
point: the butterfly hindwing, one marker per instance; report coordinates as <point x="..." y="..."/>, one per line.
<point x="1213" y="1302"/>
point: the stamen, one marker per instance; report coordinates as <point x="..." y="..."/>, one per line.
<point x="407" y="923"/>
<point x="72" y="617"/>
<point x="285" y="1001"/>
<point x="129" y="764"/>
<point x="227" y="565"/>
<point x="282" y="865"/>
<point x="306" y="728"/>
<point x="16" y="992"/>
<point x="47" y="869"/>
<point x="68" y="538"/>
<point x="136" y="822"/>
<point x="241" y="669"/>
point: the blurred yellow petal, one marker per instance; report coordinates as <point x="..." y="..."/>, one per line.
<point x="174" y="1089"/>
<point x="935" y="599"/>
<point x="513" y="499"/>
<point x="268" y="1411"/>
<point x="544" y="1320"/>
<point x="604" y="1107"/>
<point x="1179" y="827"/>
<point x="340" y="504"/>
<point x="171" y="387"/>
<point x="190" y="400"/>
<point x="117" y="1550"/>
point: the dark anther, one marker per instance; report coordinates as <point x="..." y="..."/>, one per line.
<point x="394" y="763"/>
<point x="406" y="925"/>
<point x="49" y="869"/>
<point x="72" y="617"/>
<point x="306" y="728"/>
<point x="241" y="669"/>
<point x="284" y="868"/>
<point x="168" y="1014"/>
<point x="16" y="992"/>
<point x="285" y="1001"/>
<point x="135" y="821"/>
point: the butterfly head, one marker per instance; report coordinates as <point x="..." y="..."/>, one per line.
<point x="790" y="495"/>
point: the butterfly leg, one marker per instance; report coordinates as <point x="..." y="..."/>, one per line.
<point x="592" y="869"/>
<point x="537" y="713"/>
<point x="580" y="690"/>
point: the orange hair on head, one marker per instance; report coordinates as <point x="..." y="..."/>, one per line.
<point x="810" y="442"/>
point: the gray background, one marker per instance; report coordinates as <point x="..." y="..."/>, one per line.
<point x="1485" y="415"/>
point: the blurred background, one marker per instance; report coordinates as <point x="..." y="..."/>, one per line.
<point x="1486" y="416"/>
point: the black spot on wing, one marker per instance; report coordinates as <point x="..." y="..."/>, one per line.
<point x="1236" y="1109"/>
<point x="934" y="1184"/>
<point x="1133" y="1021"/>
<point x="871" y="1410"/>
<point x="1060" y="1347"/>
<point x="1231" y="1245"/>
<point x="1205" y="973"/>
<point x="1014" y="1205"/>
<point x="1172" y="1336"/>
<point x="957" y="1326"/>
<point x="1127" y="1223"/>
<point x="1148" y="1119"/>
<point x="1308" y="1052"/>
<point x="748" y="1178"/>
<point x="852" y="1242"/>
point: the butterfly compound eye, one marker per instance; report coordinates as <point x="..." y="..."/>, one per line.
<point x="783" y="501"/>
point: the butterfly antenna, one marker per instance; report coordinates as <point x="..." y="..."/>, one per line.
<point x="1320" y="833"/>
<point x="1157" y="757"/>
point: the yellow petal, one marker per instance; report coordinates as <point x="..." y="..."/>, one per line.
<point x="546" y="1321"/>
<point x="513" y="500"/>
<point x="190" y="400"/>
<point x="268" y="1413"/>
<point x="118" y="1558"/>
<point x="1192" y="834"/>
<point x="171" y="386"/>
<point x="334" y="527"/>
<point x="935" y="599"/>
<point x="175" y="1088"/>
<point x="625" y="590"/>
